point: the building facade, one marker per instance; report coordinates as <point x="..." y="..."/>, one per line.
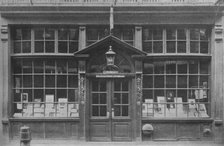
<point x="103" y="70"/>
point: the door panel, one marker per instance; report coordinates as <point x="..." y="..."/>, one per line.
<point x="100" y="131"/>
<point x="110" y="117"/>
<point x="121" y="131"/>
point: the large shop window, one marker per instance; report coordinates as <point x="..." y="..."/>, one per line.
<point x="176" y="89"/>
<point x="45" y="40"/>
<point x="45" y="88"/>
<point x="95" y="34"/>
<point x="176" y="40"/>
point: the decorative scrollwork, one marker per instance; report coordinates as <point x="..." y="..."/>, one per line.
<point x="82" y="89"/>
<point x="139" y="88"/>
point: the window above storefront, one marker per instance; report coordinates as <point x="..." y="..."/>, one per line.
<point x="47" y="40"/>
<point x="176" y="40"/>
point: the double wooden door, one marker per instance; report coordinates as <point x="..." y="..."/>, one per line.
<point x="110" y="110"/>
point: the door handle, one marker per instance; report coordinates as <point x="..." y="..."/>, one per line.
<point x="108" y="114"/>
<point x="112" y="112"/>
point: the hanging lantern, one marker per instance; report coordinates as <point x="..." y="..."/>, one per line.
<point x="110" y="56"/>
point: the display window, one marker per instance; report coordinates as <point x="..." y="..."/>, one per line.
<point x="45" y="88"/>
<point x="176" y="89"/>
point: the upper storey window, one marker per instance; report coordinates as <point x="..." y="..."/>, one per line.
<point x="22" y="40"/>
<point x="95" y="34"/>
<point x="45" y="40"/>
<point x="176" y="40"/>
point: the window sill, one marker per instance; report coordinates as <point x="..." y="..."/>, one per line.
<point x="179" y="56"/>
<point x="43" y="119"/>
<point x="179" y="120"/>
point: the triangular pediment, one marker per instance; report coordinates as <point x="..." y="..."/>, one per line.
<point x="104" y="44"/>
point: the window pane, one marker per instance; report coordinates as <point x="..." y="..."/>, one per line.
<point x="182" y="68"/>
<point x="27" y="66"/>
<point x="147" y="47"/>
<point x="124" y="110"/>
<point x="49" y="34"/>
<point x="73" y="95"/>
<point x="193" y="81"/>
<point x="92" y="34"/>
<point x="26" y="47"/>
<point x="158" y="47"/>
<point x="50" y="81"/>
<point x="61" y="93"/>
<point x="181" y="34"/>
<point x="62" y="34"/>
<point x="38" y="66"/>
<point x="182" y="81"/>
<point x="50" y="66"/>
<point x="194" y="34"/>
<point x="38" y="81"/>
<point x="39" y="94"/>
<point x="125" y="98"/>
<point x="18" y="34"/>
<point x="147" y="81"/>
<point x="159" y="68"/>
<point x="171" y="81"/>
<point x="194" y="47"/>
<point x="62" y="47"/>
<point x="181" y="47"/>
<point x="204" y="47"/>
<point x="117" y="98"/>
<point x="49" y="46"/>
<point x="147" y="94"/>
<point x="26" y="34"/>
<point x="73" y="34"/>
<point x="103" y="110"/>
<point x="17" y="47"/>
<point x="159" y="82"/>
<point x="171" y="68"/>
<point x="61" y="81"/>
<point x="39" y="46"/>
<point x="61" y="66"/>
<point x="117" y="110"/>
<point x="204" y="34"/>
<point x="204" y="67"/>
<point x="17" y="66"/>
<point x="39" y="34"/>
<point x="72" y="81"/>
<point x="171" y="34"/>
<point x="95" y="111"/>
<point x="95" y="98"/>
<point x="157" y="34"/>
<point x="193" y="68"/>
<point x="128" y="34"/>
<point x="103" y="98"/>
<point x="171" y="46"/>
<point x="73" y="47"/>
<point x="27" y="81"/>
<point x="148" y="68"/>
<point x="147" y="34"/>
<point x="72" y="66"/>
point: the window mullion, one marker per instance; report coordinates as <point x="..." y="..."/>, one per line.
<point x="164" y="41"/>
<point x="32" y="42"/>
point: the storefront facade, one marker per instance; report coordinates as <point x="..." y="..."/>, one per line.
<point x="128" y="72"/>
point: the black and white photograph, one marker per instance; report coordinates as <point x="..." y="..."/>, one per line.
<point x="111" y="72"/>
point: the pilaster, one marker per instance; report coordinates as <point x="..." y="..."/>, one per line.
<point x="4" y="80"/>
<point x="82" y="37"/>
<point x="138" y="37"/>
<point x="217" y="79"/>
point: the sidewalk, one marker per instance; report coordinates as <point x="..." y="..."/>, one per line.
<point x="81" y="143"/>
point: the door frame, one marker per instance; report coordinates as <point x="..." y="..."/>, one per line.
<point x="112" y="122"/>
